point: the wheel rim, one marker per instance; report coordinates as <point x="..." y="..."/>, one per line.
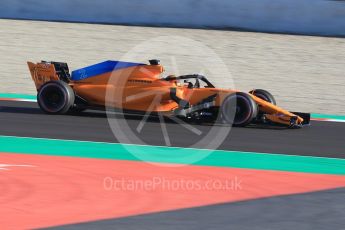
<point x="53" y="99"/>
<point x="243" y="110"/>
<point x="237" y="110"/>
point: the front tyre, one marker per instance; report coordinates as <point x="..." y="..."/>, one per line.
<point x="239" y="109"/>
<point x="55" y="97"/>
<point x="264" y="95"/>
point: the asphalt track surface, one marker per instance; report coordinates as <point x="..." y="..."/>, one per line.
<point x="323" y="139"/>
<point x="302" y="211"/>
<point x="315" y="210"/>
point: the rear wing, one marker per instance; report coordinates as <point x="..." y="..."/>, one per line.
<point x="43" y="72"/>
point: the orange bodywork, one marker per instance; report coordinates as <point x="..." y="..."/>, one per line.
<point x="140" y="87"/>
<point x="42" y="73"/>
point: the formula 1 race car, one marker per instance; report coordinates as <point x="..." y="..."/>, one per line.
<point x="190" y="97"/>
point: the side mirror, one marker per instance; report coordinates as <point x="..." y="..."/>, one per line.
<point x="154" y="62"/>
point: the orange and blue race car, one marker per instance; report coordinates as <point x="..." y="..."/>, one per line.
<point x="137" y="87"/>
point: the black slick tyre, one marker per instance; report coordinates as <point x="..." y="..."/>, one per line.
<point x="264" y="95"/>
<point x="55" y="97"/>
<point x="238" y="109"/>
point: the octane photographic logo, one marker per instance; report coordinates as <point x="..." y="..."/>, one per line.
<point x="178" y="56"/>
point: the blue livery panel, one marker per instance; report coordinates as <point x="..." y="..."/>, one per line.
<point x="100" y="68"/>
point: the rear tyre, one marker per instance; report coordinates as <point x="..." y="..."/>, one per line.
<point x="239" y="109"/>
<point x="264" y="95"/>
<point x="55" y="97"/>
